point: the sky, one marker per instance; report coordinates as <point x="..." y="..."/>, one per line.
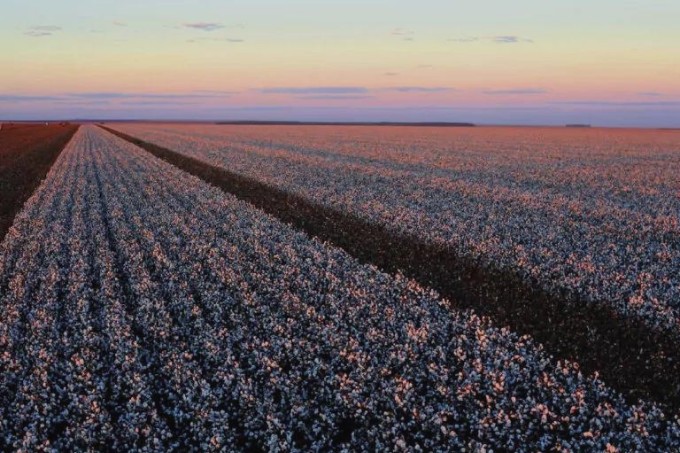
<point x="604" y="62"/>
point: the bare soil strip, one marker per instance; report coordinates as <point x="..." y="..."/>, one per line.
<point x="27" y="152"/>
<point x="628" y="355"/>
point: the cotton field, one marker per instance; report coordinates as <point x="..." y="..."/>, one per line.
<point x="591" y="213"/>
<point x="142" y="309"/>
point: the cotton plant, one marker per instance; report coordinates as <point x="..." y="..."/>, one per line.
<point x="143" y="309"/>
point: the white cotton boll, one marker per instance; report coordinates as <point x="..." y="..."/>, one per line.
<point x="518" y="206"/>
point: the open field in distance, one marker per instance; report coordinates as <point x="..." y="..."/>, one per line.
<point x="534" y="227"/>
<point x="173" y="295"/>
<point x="592" y="212"/>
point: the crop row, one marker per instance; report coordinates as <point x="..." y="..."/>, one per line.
<point x="632" y="358"/>
<point x="144" y="309"/>
<point x="590" y="213"/>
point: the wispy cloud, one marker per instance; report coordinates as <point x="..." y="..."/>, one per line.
<point x="158" y="102"/>
<point x="514" y="91"/>
<point x="204" y="26"/>
<point x="404" y="33"/>
<point x="464" y="39"/>
<point x="424" y="66"/>
<point x="148" y="96"/>
<point x="216" y="92"/>
<point x="399" y="31"/>
<point x="419" y="89"/>
<point x="118" y="23"/>
<point x="46" y="28"/>
<point x="102" y="97"/>
<point x="651" y="94"/>
<point x="42" y="30"/>
<point x="596" y="103"/>
<point x="232" y="40"/>
<point x="390" y="73"/>
<point x="510" y="39"/>
<point x="311" y="90"/>
<point x="349" y="92"/>
<point x="26" y="98"/>
<point x="498" y="39"/>
<point x="37" y="34"/>
<point x="335" y="97"/>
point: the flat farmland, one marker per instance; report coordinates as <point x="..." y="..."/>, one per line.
<point x="207" y="290"/>
<point x="569" y="235"/>
<point x="594" y="213"/>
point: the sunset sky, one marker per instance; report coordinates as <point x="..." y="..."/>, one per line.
<point x="606" y="62"/>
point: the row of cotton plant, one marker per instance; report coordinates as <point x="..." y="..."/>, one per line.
<point x="594" y="213"/>
<point x="142" y="309"/>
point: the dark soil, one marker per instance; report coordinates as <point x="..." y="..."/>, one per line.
<point x="27" y="151"/>
<point x="630" y="357"/>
